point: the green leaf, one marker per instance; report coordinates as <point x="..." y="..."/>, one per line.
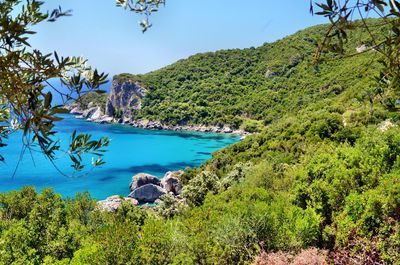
<point x="47" y="100"/>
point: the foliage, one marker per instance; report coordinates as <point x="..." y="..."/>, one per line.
<point x="26" y="102"/>
<point x="96" y="99"/>
<point x="385" y="41"/>
<point x="26" y="91"/>
<point x="252" y="88"/>
<point x="144" y="7"/>
<point x="318" y="174"/>
<point x="53" y="230"/>
<point x="169" y="206"/>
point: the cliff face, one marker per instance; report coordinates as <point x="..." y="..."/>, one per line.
<point x="124" y="100"/>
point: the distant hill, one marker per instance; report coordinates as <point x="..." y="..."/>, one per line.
<point x="256" y="86"/>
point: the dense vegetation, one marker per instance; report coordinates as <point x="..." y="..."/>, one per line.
<point x="320" y="173"/>
<point x="93" y="99"/>
<point x="251" y="87"/>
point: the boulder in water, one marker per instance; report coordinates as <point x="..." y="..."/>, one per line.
<point x="142" y="179"/>
<point x="147" y="193"/>
<point x="171" y="182"/>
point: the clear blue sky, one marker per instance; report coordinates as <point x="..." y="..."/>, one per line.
<point x="112" y="40"/>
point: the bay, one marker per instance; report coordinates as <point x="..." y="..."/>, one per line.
<point x="131" y="151"/>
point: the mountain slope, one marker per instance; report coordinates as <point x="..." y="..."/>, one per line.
<point x="312" y="176"/>
<point x="322" y="172"/>
<point x="235" y="87"/>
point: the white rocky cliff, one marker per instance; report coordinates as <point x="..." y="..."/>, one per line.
<point x="124" y="100"/>
<point x="124" y="103"/>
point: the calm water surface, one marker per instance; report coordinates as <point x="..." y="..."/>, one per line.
<point x="131" y="151"/>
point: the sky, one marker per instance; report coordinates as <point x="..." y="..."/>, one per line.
<point x="111" y="39"/>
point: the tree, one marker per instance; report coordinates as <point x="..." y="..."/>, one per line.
<point x="384" y="39"/>
<point x="24" y="79"/>
<point x="144" y="7"/>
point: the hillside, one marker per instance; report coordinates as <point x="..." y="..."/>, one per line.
<point x="253" y="86"/>
<point x="321" y="173"/>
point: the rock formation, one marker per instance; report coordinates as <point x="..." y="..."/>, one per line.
<point x="124" y="100"/>
<point x="148" y="188"/>
<point x="171" y="182"/>
<point x="113" y="203"/>
<point x="142" y="179"/>
<point x="147" y="193"/>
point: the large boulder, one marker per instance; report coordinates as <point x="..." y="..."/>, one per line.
<point x="171" y="182"/>
<point x="142" y="179"/>
<point x="147" y="193"/>
<point x="113" y="203"/>
<point x="97" y="115"/>
<point x="104" y="119"/>
<point x="76" y="111"/>
<point x="89" y="112"/>
<point x="227" y="130"/>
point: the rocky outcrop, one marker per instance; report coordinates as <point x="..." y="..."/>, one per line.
<point x="124" y="100"/>
<point x="156" y="125"/>
<point x="93" y="113"/>
<point x="147" y="188"/>
<point x="104" y="119"/>
<point x="171" y="182"/>
<point x="74" y="108"/>
<point x="147" y="193"/>
<point x="113" y="203"/>
<point x="362" y="48"/>
<point x="98" y="114"/>
<point x="142" y="179"/>
<point x="123" y="103"/>
<point x="386" y="125"/>
<point x="87" y="114"/>
<point x="295" y="60"/>
<point x="269" y="73"/>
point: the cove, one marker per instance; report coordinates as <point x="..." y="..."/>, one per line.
<point x="131" y="151"/>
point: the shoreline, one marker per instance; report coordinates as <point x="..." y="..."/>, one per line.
<point x="95" y="115"/>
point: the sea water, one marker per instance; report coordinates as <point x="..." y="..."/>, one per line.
<point x="131" y="151"/>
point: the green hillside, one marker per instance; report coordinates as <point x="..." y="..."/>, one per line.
<point x="235" y="87"/>
<point x="319" y="174"/>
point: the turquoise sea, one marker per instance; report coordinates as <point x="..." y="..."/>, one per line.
<point x="131" y="151"/>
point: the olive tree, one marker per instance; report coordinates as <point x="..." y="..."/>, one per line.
<point x="384" y="39"/>
<point x="144" y="7"/>
<point x="26" y="92"/>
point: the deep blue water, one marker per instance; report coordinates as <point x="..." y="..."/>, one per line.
<point x="131" y="151"/>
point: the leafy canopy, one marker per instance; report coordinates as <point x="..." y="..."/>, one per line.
<point x="385" y="41"/>
<point x="26" y="92"/>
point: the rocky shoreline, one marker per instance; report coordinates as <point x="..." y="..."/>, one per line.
<point x="95" y="114"/>
<point x="145" y="189"/>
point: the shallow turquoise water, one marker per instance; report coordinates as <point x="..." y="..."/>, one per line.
<point x="131" y="151"/>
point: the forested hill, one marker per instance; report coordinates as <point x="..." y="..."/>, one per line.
<point x="323" y="171"/>
<point x="253" y="87"/>
<point x="319" y="183"/>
